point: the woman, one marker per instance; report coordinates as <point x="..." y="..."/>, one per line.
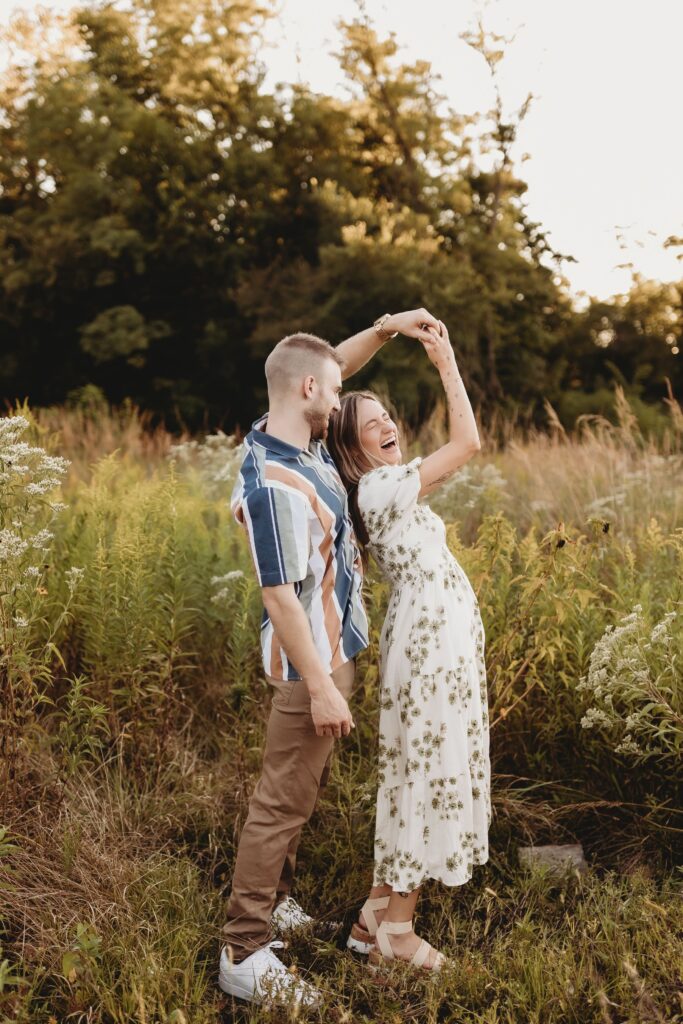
<point x="433" y="800"/>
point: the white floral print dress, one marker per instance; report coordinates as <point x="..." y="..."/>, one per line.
<point x="434" y="797"/>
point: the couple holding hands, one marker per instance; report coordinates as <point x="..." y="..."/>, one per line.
<point x="322" y="483"/>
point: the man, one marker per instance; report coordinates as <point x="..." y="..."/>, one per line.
<point x="293" y="505"/>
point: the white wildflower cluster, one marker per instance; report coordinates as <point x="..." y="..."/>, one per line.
<point x="628" y="746"/>
<point x="216" y="458"/>
<point x="473" y="486"/>
<point x="605" y="507"/>
<point x="19" y="459"/>
<point x="12" y="547"/>
<point x="613" y="640"/>
<point x="42" y="539"/>
<point x="654" y="472"/>
<point x="224" y="582"/>
<point x="654" y="467"/>
<point x="595" y="717"/>
<point x="661" y="630"/>
<point x="632" y="682"/>
<point x="27" y="475"/>
<point x="73" y="577"/>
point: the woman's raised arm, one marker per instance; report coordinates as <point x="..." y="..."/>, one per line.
<point x="463" y="439"/>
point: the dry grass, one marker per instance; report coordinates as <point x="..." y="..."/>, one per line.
<point x="85" y="437"/>
<point x="117" y="902"/>
<point x="115" y="872"/>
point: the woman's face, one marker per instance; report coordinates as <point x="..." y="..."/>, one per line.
<point x="378" y="433"/>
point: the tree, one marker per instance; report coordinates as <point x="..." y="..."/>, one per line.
<point x="117" y="195"/>
<point x="164" y="221"/>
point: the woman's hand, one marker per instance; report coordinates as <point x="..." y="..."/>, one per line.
<point x="413" y="323"/>
<point x="438" y="347"/>
<point x="463" y="436"/>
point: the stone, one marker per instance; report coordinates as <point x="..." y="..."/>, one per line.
<point x="557" y="859"/>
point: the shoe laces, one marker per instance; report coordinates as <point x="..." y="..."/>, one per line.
<point x="275" y="944"/>
<point x="294" y="910"/>
<point x="288" y="982"/>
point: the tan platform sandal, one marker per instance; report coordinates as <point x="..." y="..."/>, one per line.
<point x="360" y="939"/>
<point x="384" y="952"/>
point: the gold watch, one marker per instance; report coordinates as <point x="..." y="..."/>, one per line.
<point x="379" y="327"/>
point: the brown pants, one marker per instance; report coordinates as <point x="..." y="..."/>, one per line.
<point x="296" y="765"/>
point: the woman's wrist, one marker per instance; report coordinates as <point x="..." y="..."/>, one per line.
<point x="450" y="372"/>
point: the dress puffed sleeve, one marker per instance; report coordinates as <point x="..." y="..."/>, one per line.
<point x="386" y="496"/>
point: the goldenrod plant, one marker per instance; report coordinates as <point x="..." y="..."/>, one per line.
<point x="130" y="648"/>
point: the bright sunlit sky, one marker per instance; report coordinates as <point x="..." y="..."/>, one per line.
<point x="603" y="133"/>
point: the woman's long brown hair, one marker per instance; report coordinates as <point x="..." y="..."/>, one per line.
<point x="343" y="442"/>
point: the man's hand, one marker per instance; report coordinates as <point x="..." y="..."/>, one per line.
<point x="329" y="711"/>
<point x="412" y="323"/>
<point x="358" y="350"/>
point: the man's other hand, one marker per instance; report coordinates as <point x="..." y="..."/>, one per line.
<point x="330" y="712"/>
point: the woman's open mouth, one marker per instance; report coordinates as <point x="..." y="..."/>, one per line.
<point x="390" y="445"/>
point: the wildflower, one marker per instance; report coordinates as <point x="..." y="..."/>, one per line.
<point x="235" y="574"/>
<point x="12" y="427"/>
<point x="228" y="578"/>
<point x="73" y="577"/>
<point x="52" y="464"/>
<point x="624" y="668"/>
<point x="11" y="545"/>
<point x="42" y="539"/>
<point x="628" y="746"/>
<point x="595" y="717"/>
<point x="20" y="622"/>
<point x="216" y="457"/>
<point x="42" y="486"/>
<point x="661" y="630"/>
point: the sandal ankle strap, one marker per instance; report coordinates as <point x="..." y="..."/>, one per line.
<point x="396" y="927"/>
<point x="377" y="903"/>
<point x="368" y="911"/>
<point x="390" y="928"/>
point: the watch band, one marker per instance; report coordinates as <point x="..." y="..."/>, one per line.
<point x="379" y="327"/>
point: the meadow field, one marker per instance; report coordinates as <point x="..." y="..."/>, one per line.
<point x="133" y="711"/>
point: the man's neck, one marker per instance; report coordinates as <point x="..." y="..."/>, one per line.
<point x="291" y="429"/>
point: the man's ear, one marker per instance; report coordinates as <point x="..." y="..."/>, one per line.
<point x="309" y="386"/>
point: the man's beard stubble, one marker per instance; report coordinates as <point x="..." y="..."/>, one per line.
<point x="318" y="422"/>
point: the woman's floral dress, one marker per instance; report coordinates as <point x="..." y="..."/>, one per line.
<point x="434" y="797"/>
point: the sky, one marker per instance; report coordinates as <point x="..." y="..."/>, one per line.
<point x="603" y="131"/>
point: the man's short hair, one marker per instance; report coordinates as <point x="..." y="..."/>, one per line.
<point x="294" y="358"/>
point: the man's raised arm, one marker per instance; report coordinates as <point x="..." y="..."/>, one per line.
<point x="359" y="349"/>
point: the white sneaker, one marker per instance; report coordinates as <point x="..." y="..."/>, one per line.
<point x="288" y="915"/>
<point x="263" y="978"/>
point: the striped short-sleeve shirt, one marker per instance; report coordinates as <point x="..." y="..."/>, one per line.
<point x="294" y="508"/>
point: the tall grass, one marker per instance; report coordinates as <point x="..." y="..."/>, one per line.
<point x="137" y="736"/>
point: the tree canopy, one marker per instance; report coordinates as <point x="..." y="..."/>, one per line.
<point x="165" y="219"/>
